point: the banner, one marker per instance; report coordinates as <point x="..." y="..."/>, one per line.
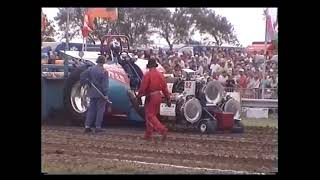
<point x="107" y="13"/>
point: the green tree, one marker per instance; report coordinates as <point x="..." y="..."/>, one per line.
<point x="49" y="32"/>
<point x="173" y="27"/>
<point x="132" y="22"/>
<point x="136" y="24"/>
<point x="206" y="21"/>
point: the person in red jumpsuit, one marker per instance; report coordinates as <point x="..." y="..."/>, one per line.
<point x="152" y="84"/>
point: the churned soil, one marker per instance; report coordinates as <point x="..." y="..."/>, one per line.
<point x="67" y="150"/>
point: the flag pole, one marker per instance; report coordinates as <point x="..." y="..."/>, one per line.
<point x="67" y="46"/>
<point x="83" y="45"/>
<point x="265" y="52"/>
<point x="67" y="30"/>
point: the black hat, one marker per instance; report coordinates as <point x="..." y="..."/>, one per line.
<point x="152" y="63"/>
<point x="101" y="60"/>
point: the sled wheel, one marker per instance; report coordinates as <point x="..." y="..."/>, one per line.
<point x="207" y="126"/>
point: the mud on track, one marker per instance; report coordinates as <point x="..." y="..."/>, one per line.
<point x="122" y="150"/>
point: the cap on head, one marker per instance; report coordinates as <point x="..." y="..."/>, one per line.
<point x="101" y="60"/>
<point x="152" y="62"/>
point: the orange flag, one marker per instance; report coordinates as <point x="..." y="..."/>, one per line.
<point x="107" y="13"/>
<point x="87" y="25"/>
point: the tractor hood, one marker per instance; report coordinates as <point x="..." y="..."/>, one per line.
<point x="92" y="57"/>
<point x="88" y="55"/>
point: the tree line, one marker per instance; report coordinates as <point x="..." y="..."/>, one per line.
<point x="140" y="23"/>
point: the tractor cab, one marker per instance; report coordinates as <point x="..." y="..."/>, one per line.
<point x="116" y="49"/>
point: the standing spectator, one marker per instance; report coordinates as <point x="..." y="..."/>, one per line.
<point x="197" y="59"/>
<point x="251" y="81"/>
<point x="209" y="57"/>
<point x="274" y="82"/>
<point x="184" y="57"/>
<point x="264" y="84"/>
<point x="205" y="65"/>
<point x="223" y="78"/>
<point x="200" y="69"/>
<point x="230" y="84"/>
<point x="177" y="70"/>
<point x="192" y="64"/>
<point x="206" y="77"/>
<point x="201" y="57"/>
<point x="160" y="52"/>
<point x="175" y="57"/>
<point x="228" y="67"/>
<point x="187" y="65"/>
<point x="147" y="54"/>
<point x="182" y="64"/>
<point x="242" y="81"/>
<point x="214" y="67"/>
<point x="274" y="85"/>
<point x="256" y="85"/>
<point x="214" y="76"/>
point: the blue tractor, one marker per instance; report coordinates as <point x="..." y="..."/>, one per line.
<point x="195" y="103"/>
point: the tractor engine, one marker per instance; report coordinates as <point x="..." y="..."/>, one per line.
<point x="188" y="109"/>
<point x="191" y="93"/>
<point x="186" y="106"/>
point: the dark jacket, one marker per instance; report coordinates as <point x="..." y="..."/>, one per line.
<point x="99" y="77"/>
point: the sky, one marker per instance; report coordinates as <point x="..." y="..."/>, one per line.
<point x="249" y="23"/>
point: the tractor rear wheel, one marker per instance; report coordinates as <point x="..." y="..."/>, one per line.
<point x="75" y="99"/>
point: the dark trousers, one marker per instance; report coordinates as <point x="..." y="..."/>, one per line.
<point x="95" y="112"/>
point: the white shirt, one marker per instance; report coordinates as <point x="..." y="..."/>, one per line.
<point x="273" y="84"/>
<point x="182" y="64"/>
<point x="251" y="83"/>
<point x="200" y="70"/>
<point x="237" y="77"/>
<point x="229" y="71"/>
<point x="256" y="83"/>
<point x="222" y="79"/>
<point x="214" y="67"/>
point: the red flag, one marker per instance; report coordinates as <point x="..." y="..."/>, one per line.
<point x="44" y="22"/>
<point x="87" y="25"/>
<point x="270" y="28"/>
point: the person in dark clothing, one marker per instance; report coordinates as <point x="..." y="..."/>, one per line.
<point x="99" y="77"/>
<point x="230" y="84"/>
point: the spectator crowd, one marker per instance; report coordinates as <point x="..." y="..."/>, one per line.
<point x="234" y="68"/>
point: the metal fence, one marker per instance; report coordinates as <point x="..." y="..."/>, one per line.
<point x="255" y="93"/>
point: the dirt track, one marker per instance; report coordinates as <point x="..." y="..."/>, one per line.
<point x="122" y="150"/>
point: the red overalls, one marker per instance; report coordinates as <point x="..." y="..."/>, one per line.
<point x="152" y="84"/>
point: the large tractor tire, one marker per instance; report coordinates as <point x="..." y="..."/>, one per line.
<point x="75" y="105"/>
